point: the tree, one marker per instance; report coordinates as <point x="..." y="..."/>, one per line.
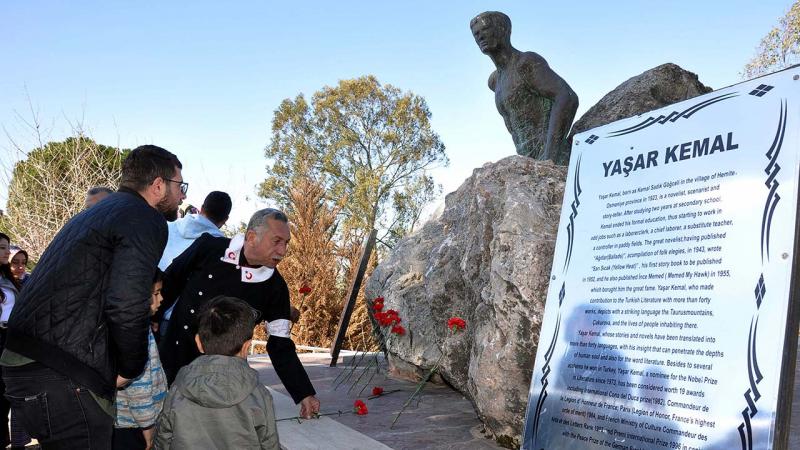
<point x="371" y="147"/>
<point x="780" y="48"/>
<point x="48" y="187"/>
<point x="311" y="261"/>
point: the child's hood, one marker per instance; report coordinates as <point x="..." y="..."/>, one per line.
<point x="217" y="381"/>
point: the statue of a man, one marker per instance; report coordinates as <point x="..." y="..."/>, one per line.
<point x="537" y="105"/>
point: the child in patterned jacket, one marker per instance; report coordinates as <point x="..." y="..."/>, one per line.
<point x="140" y="402"/>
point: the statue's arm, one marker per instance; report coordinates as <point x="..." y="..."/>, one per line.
<point x="565" y="102"/>
<point x="492" y="85"/>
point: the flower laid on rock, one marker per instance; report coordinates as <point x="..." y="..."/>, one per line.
<point x="387" y="323"/>
<point x="377" y="304"/>
<point x="377" y="390"/>
<point x="455" y="325"/>
<point x="390" y="317"/>
<point x="360" y="408"/>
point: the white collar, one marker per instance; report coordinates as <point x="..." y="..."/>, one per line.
<point x="249" y="274"/>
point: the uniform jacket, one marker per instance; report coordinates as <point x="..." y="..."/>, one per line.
<point x="85" y="310"/>
<point x="215" y="266"/>
<point x="217" y="402"/>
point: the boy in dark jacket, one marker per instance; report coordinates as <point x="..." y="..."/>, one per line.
<point x="217" y="402"/>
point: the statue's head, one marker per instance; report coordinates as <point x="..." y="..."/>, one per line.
<point x="492" y="31"/>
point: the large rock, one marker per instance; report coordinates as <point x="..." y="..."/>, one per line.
<point x="653" y="89"/>
<point x="486" y="259"/>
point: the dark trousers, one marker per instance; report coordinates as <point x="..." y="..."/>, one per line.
<point x="5" y="407"/>
<point x="55" y="410"/>
<point x="129" y="439"/>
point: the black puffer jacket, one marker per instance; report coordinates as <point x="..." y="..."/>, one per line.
<point x="85" y="309"/>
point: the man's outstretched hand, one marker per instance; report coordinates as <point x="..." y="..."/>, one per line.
<point x="309" y="407"/>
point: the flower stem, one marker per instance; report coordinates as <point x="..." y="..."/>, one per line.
<point x="352" y="370"/>
<point x="369" y="381"/>
<point x="363" y="372"/>
<point x="352" y="361"/>
<point x="419" y="388"/>
<point x="300" y="309"/>
<point x="316" y="416"/>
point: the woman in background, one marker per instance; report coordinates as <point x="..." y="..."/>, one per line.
<point x="9" y="290"/>
<point x="19" y="264"/>
<point x="18" y="261"/>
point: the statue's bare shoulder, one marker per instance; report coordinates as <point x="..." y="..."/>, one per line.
<point x="543" y="79"/>
<point x="493" y="80"/>
<point x="533" y="64"/>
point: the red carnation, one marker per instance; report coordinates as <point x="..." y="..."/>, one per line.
<point x="360" y="408"/>
<point x="305" y="290"/>
<point x="383" y="319"/>
<point x="377" y="307"/>
<point x="377" y="390"/>
<point x="378" y="300"/>
<point x="456" y="324"/>
<point x="393" y="316"/>
<point x="398" y="329"/>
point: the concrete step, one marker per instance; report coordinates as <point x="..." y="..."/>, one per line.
<point x="323" y="433"/>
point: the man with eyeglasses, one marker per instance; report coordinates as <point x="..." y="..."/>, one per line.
<point x="79" y="329"/>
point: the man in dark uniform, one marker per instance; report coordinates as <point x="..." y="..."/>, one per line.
<point x="242" y="267"/>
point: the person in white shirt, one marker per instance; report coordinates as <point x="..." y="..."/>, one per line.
<point x="9" y="289"/>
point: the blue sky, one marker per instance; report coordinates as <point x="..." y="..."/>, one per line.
<point x="203" y="78"/>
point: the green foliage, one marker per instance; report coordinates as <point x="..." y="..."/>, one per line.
<point x="369" y="145"/>
<point x="780" y="48"/>
<point x="49" y="187"/>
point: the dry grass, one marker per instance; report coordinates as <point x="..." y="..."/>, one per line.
<point x="316" y="259"/>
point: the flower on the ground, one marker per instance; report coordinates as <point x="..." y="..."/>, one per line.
<point x="456" y="324"/>
<point x="377" y="304"/>
<point x="377" y="390"/>
<point x="360" y="408"/>
<point x="398" y="329"/>
<point x="305" y="290"/>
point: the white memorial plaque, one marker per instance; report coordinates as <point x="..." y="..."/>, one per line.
<point x="667" y="309"/>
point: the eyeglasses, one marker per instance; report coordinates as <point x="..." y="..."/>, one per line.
<point x="184" y="186"/>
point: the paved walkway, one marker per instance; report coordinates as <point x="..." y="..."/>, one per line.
<point x="442" y="420"/>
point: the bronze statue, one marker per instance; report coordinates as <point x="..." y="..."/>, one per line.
<point x="537" y="105"/>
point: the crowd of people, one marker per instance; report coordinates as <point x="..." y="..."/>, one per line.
<point x="133" y="328"/>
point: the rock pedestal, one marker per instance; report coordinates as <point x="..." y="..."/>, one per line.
<point x="487" y="260"/>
